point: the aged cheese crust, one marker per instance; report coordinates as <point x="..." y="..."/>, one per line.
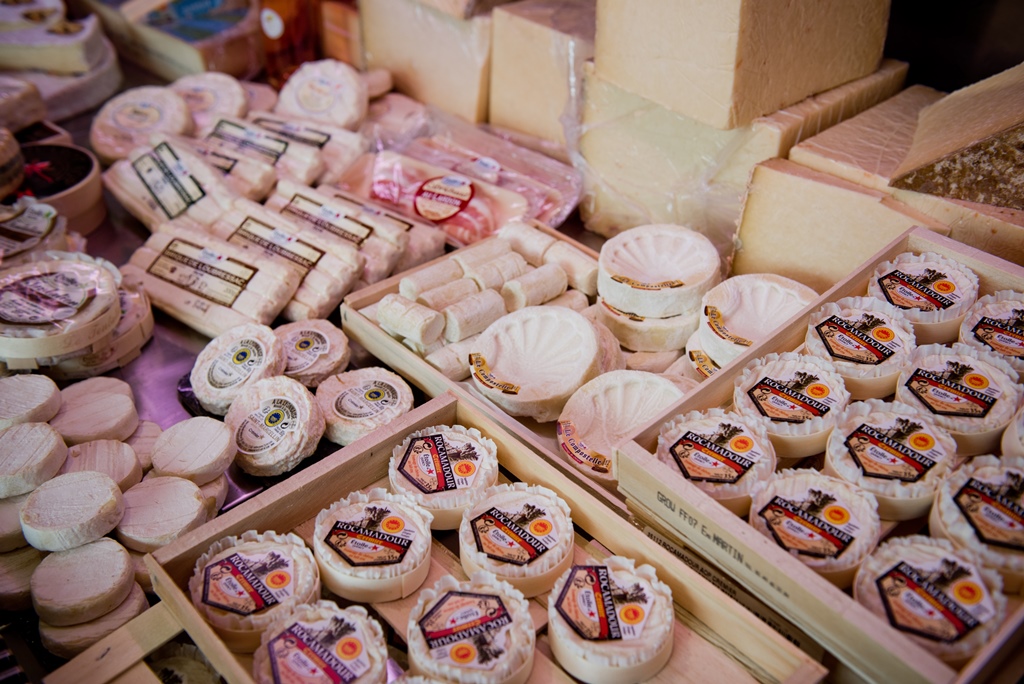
<point x="232" y="361"/>
<point x="27" y="399"/>
<point x="30" y="454"/>
<point x="198" y="449"/>
<point x="82" y="584"/>
<point x="357" y="402"/>
<point x="116" y="459"/>
<point x="159" y="510"/>
<point x="67" y="642"/>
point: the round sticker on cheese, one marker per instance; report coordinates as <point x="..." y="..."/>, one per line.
<point x="441" y="198"/>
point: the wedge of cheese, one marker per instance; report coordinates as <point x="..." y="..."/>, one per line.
<point x="62" y="47"/>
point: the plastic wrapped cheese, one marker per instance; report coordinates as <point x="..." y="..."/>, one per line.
<point x="328" y="91"/>
<point x="211" y="95"/>
<point x="127" y="120"/>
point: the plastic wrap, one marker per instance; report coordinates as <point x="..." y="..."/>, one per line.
<point x="28" y="228"/>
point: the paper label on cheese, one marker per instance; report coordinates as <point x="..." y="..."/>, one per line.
<point x="299" y="133"/>
<point x="920" y="286"/>
<point x="467" y="630"/>
<point x="137" y="116"/>
<point x="942" y="600"/>
<point x="994" y="509"/>
<point x="217" y="278"/>
<point x="866" y="339"/>
<point x="600" y="608"/>
<point x="248" y="583"/>
<point x="234" y="366"/>
<point x="627" y="314"/>
<point x="377" y="534"/>
<point x="518" y="536"/>
<point x="482" y="372"/>
<point x="649" y="287"/>
<point x="221" y="162"/>
<point x="329" y="219"/>
<point x="957" y="390"/>
<point x="703" y="363"/>
<point x="1002" y="335"/>
<point x="264" y="428"/>
<point x="26" y="229"/>
<point x="792" y="398"/>
<point x="199" y="99"/>
<point x="432" y="464"/>
<point x="897" y="449"/>
<point x="322" y="652"/>
<point x="817" y="525"/>
<point x="717" y="323"/>
<point x="366" y="400"/>
<point x="576" y="449"/>
<point x="723" y="455"/>
<point x="317" y="94"/>
<point x="441" y="198"/>
<point x="241" y="138"/>
<point x="300" y="253"/>
<point x="271" y="23"/>
<point x="303" y="348"/>
<point x="168" y="180"/>
<point x="47" y="298"/>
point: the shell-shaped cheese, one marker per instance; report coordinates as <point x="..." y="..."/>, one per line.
<point x="893" y="451"/>
<point x="30" y="454"/>
<point x="612" y="357"/>
<point x="996" y="324"/>
<point x="127" y="120"/>
<point x="932" y="562"/>
<point x="647" y="334"/>
<point x="316" y="349"/>
<point x="725" y="454"/>
<point x="16" y="568"/>
<point x="103" y="415"/>
<point x="744" y="310"/>
<point x="11" y="537"/>
<point x="159" y="510"/>
<point x="657" y="270"/>
<point x="233" y="360"/>
<point x="82" y="584"/>
<point x="606" y="412"/>
<point x="829" y="525"/>
<point x="142" y="442"/>
<point x="867" y="340"/>
<point x="116" y="459"/>
<point x="355" y="639"/>
<point x="71" y="510"/>
<point x="484" y="611"/>
<point x="531" y="361"/>
<point x="357" y="402"/>
<point x="584" y="649"/>
<point x="327" y="90"/>
<point x="184" y="661"/>
<point x="67" y="642"/>
<point x="1012" y="442"/>
<point x="27" y="399"/>
<point x="971" y="393"/>
<point x="211" y="95"/>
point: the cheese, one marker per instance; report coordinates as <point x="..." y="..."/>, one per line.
<point x="444" y="469"/>
<point x="579" y="267"/>
<point x="451" y="359"/>
<point x="30" y="454"/>
<point x="16" y="568"/>
<point x="71" y="510"/>
<point x="478" y="631"/>
<point x="394" y="117"/>
<point x="80" y="392"/>
<point x="199" y="449"/>
<point x="142" y="442"/>
<point x="103" y="415"/>
<point x="126" y="121"/>
<point x="472" y="315"/>
<point x="215" y="493"/>
<point x="82" y="584"/>
<point x="534" y="287"/>
<point x="635" y="640"/>
<point x="261" y="97"/>
<point x="357" y="402"/>
<point x="20" y="104"/>
<point x="492" y="274"/>
<point x="652" y="362"/>
<point x="316" y="350"/>
<point x="159" y="510"/>
<point x="337" y="146"/>
<point x="70" y="184"/>
<point x="210" y="96"/>
<point x="698" y="365"/>
<point x="647" y="334"/>
<point x="232" y="361"/>
<point x="571" y="299"/>
<point x="433" y="57"/>
<point x="276" y="423"/>
<point x="67" y="642"/>
<point x="62" y="47"/>
<point x="400" y="316"/>
<point x="114" y="458"/>
<point x="1012" y="442"/>
<point x="11" y="537"/>
<point x="328" y="91"/>
<point x="521" y="533"/>
<point x="30" y="229"/>
<point x="995" y="324"/>
<point x="247" y="176"/>
<point x="28" y="13"/>
<point x="12" y="171"/>
<point x="185" y="662"/>
<point x="443" y="296"/>
<point x="27" y="399"/>
<point x="236" y="136"/>
<point x="611" y="355"/>
<point x="373" y="546"/>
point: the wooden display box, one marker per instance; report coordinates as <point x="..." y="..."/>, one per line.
<point x="860" y="640"/>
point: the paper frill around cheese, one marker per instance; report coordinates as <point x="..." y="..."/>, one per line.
<point x="1008" y="342"/>
<point x="30" y="454"/>
<point x="82" y="584"/>
<point x="27" y="399"/>
<point x="216" y="388"/>
<point x="71" y="510"/>
<point x="357" y="402"/>
<point x="67" y="642"/>
<point x="1012" y="442"/>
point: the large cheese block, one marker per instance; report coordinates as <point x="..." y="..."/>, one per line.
<point x="726" y="63"/>
<point x="432" y="56"/>
<point x="648" y="164"/>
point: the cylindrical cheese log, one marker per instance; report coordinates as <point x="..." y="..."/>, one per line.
<point x="67" y="642"/>
<point x="445" y="295"/>
<point x="570" y="299"/>
<point x="16" y="568"/>
<point x="30" y="454"/>
<point x="496" y="272"/>
<point x="536" y="287"/>
<point x="421" y="349"/>
<point x="104" y="415"/>
<point x="486" y="250"/>
<point x="472" y="315"/>
<point x="158" y="511"/>
<point x="71" y="510"/>
<point x="528" y="241"/>
<point x="142" y="442"/>
<point x="453" y="359"/>
<point x="580" y="268"/>
<point x="404" y="317"/>
<point x="27" y="399"/>
<point x="198" y="449"/>
<point x="109" y="456"/>
<point x="416" y="283"/>
<point x="82" y="584"/>
<point x="10" y="523"/>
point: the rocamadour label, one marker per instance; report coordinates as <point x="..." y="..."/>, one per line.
<point x="467" y="629"/>
<point x="1002" y="335"/>
<point x="433" y="464"/>
<point x="958" y="390"/>
<point x="599" y="608"/>
<point x="722" y="456"/>
<point x="248" y="583"/>
<point x="868" y="339"/>
<point x="994" y="509"/>
<point x="794" y="398"/>
<point x="518" y="536"/>
<point x="818" y="525"/>
<point x="376" y="534"/>
<point x="920" y="286"/>
<point x="330" y="651"/>
<point x="899" y="449"/>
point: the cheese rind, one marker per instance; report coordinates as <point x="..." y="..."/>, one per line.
<point x="639" y="333"/>
<point x="11" y="537"/>
<point x="316" y="350"/>
<point x="327" y="90"/>
<point x="233" y="360"/>
<point x="30" y="454"/>
<point x="103" y="415"/>
<point x="199" y="449"/>
<point x="16" y="568"/>
<point x="82" y="584"/>
<point x="62" y="47"/>
<point x="159" y="510"/>
<point x="400" y="316"/>
<point x="357" y="402"/>
<point x="142" y="442"/>
<point x="116" y="459"/>
<point x="67" y="642"/>
<point x="126" y="121"/>
<point x="71" y="510"/>
<point x="211" y="95"/>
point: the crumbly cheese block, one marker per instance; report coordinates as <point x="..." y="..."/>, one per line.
<point x="142" y="442"/>
<point x="247" y="176"/>
<point x="977" y="507"/>
<point x="278" y="571"/>
<point x="328" y="90"/>
<point x="531" y="361"/>
<point x="62" y="47"/>
<point x="472" y="315"/>
<point x="30" y="454"/>
<point x="445" y="469"/>
<point x="215" y="493"/>
<point x="893" y="451"/>
<point x="116" y="459"/>
<point x="159" y="510"/>
<point x="745" y="309"/>
<point x="605" y="412"/>
<point x="81" y="391"/>
<point x="452" y="359"/>
<point x="276" y="423"/>
<point x="20" y="104"/>
<point x="906" y="576"/>
<point x="440" y="273"/>
<point x="126" y="121"/>
<point x="535" y="287"/>
<point x="639" y="333"/>
<point x="232" y="361"/>
<point x="27" y="399"/>
<point x="724" y="454"/>
<point x="71" y="510"/>
<point x="357" y="402"/>
<point x="934" y="292"/>
<point x="400" y="316"/>
<point x="579" y="267"/>
<point x="11" y="537"/>
<point x="211" y="95"/>
<point x="262" y="97"/>
<point x="16" y="568"/>
<point x="322" y="640"/>
<point x="526" y="239"/>
<point x="996" y="323"/>
<point x="453" y="622"/>
<point x="867" y="340"/>
<point x="237" y="136"/>
<point x="103" y="415"/>
<point x="316" y="350"/>
<point x="443" y="296"/>
<point x="373" y="546"/>
<point x="971" y="393"/>
<point x="67" y="642"/>
<point x="633" y="641"/>
<point x="337" y="146"/>
<point x="199" y="449"/>
<point x="82" y="584"/>
<point x="829" y="525"/>
<point x="185" y="662"/>
<point x="12" y="171"/>
<point x="801" y="396"/>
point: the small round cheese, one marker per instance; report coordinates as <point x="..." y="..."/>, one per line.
<point x="86" y="389"/>
<point x="233" y="360"/>
<point x="934" y="292"/>
<point x="11" y="537"/>
<point x="996" y="324"/>
<point x="907" y="578"/>
<point x="799" y="395"/>
<point x="357" y="402"/>
<point x="328" y="91"/>
<point x="478" y="632"/>
<point x="607" y="411"/>
<point x="183" y="663"/>
<point x="210" y="96"/>
<point x="67" y="642"/>
<point x="445" y="469"/>
<point x="215" y="493"/>
<point x="647" y="334"/>
<point x="630" y="640"/>
<point x="127" y="121"/>
<point x="82" y="584"/>
<point x="321" y="640"/>
<point x="16" y="568"/>
<point x="142" y="442"/>
<point x="1012" y="442"/>
<point x="103" y="415"/>
<point x="109" y="456"/>
<point x="829" y="525"/>
<point x="27" y="399"/>
<point x="198" y="449"/>
<point x="241" y="584"/>
<point x="316" y="349"/>
<point x="71" y="510"/>
<point x="971" y="393"/>
<point x="893" y="451"/>
<point x="724" y="454"/>
<point x="159" y="510"/>
<point x="373" y="547"/>
<point x="521" y="533"/>
<point x="867" y="340"/>
<point x="30" y="454"/>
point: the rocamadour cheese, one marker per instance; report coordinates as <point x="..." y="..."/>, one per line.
<point x="996" y="323"/>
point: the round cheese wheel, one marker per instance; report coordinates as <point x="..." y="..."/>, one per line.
<point x="103" y="415"/>
<point x="357" y="402"/>
<point x="71" y="510"/>
<point x="215" y="493"/>
<point x="109" y="456"/>
<point x="183" y="663"/>
<point x="996" y="324"/>
<point x="316" y="349"/>
<point x="142" y="442"/>
<point x="373" y="546"/>
<point x="611" y="356"/>
<point x="198" y="449"/>
<point x="647" y="334"/>
<point x="84" y="390"/>
<point x="16" y="568"/>
<point x="30" y="454"/>
<point x="11" y="537"/>
<point x="210" y="96"/>
<point x="233" y="360"/>
<point x="82" y="584"/>
<point x="159" y="510"/>
<point x="127" y="121"/>
<point x="67" y="642"/>
<point x="326" y="90"/>
<point x="27" y="399"/>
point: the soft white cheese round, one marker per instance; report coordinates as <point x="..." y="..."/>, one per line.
<point x="30" y="454"/>
<point x="71" y="510"/>
<point x="316" y="349"/>
<point x="327" y="90"/>
<point x="996" y="324"/>
<point x="357" y="402"/>
<point x="127" y="121"/>
<point x="82" y="584"/>
<point x="88" y="417"/>
<point x="702" y="365"/>
<point x="159" y="510"/>
<point x="84" y="390"/>
<point x="210" y="96"/>
<point x="27" y="399"/>
<point x="67" y="642"/>
<point x="611" y="357"/>
<point x="640" y="333"/>
<point x="215" y="493"/>
<point x="11" y="537"/>
<point x="198" y="449"/>
<point x="109" y="456"/>
<point x="16" y="568"/>
<point x="143" y="440"/>
<point x="233" y="360"/>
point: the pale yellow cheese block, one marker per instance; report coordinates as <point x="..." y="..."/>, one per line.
<point x="82" y="584"/>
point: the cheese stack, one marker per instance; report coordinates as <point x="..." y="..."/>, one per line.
<point x="30" y="229"/>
